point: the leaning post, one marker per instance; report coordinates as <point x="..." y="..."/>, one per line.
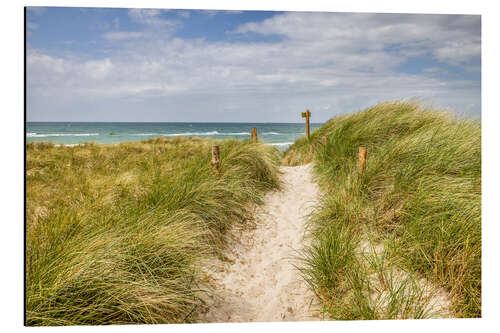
<point x="215" y="159"/>
<point x="254" y="135"/>
<point x="362" y="159"/>
<point x="307" y="115"/>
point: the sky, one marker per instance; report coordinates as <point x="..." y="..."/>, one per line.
<point x="148" y="65"/>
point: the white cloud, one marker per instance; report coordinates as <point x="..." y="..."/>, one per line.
<point x="36" y="10"/>
<point x="98" y="69"/>
<point x="212" y="13"/>
<point x="435" y="70"/>
<point x="121" y="35"/>
<point x="458" y="52"/>
<point x="454" y="39"/>
<point x="151" y="17"/>
<point x="39" y="62"/>
<point x="329" y="63"/>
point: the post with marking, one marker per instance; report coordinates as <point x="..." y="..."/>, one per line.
<point x="215" y="159"/>
<point x="362" y="159"/>
<point x="254" y="135"/>
<point x="306" y="115"/>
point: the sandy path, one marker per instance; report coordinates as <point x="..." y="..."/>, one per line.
<point x="261" y="284"/>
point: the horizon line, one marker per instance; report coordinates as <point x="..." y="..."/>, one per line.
<point x="167" y="122"/>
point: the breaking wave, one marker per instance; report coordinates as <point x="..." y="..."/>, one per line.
<point x="44" y="135"/>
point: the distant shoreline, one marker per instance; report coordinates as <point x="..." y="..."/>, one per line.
<point x="280" y="135"/>
<point x="168" y="122"/>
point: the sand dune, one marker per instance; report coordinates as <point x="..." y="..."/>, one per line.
<point x="260" y="283"/>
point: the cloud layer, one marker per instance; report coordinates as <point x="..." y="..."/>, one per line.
<point x="331" y="63"/>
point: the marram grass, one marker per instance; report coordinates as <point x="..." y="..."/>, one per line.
<point x="117" y="234"/>
<point x="419" y="199"/>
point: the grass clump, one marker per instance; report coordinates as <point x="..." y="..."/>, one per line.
<point x="128" y="225"/>
<point x="419" y="200"/>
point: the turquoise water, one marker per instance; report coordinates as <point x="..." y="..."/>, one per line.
<point x="280" y="135"/>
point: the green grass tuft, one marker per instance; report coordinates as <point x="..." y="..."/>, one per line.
<point x="420" y="197"/>
<point x="130" y="224"/>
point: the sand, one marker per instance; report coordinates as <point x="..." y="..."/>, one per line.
<point x="260" y="283"/>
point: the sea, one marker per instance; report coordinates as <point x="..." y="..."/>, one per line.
<point x="280" y="135"/>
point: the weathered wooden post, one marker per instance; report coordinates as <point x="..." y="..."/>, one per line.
<point x="215" y="159"/>
<point x="254" y="135"/>
<point x="306" y="115"/>
<point x="362" y="159"/>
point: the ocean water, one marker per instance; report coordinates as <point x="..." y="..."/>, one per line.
<point x="280" y="135"/>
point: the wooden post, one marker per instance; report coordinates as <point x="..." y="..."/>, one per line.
<point x="215" y="159"/>
<point x="254" y="135"/>
<point x="306" y="115"/>
<point x="362" y="159"/>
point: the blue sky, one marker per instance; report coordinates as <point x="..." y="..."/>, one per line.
<point x="104" y="64"/>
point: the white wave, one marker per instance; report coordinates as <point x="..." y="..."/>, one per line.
<point x="239" y="133"/>
<point x="280" y="143"/>
<point x="272" y="133"/>
<point x="37" y="135"/>
<point x="192" y="133"/>
<point x="204" y="133"/>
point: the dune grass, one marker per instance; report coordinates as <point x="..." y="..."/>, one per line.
<point x="418" y="202"/>
<point x="128" y="225"/>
